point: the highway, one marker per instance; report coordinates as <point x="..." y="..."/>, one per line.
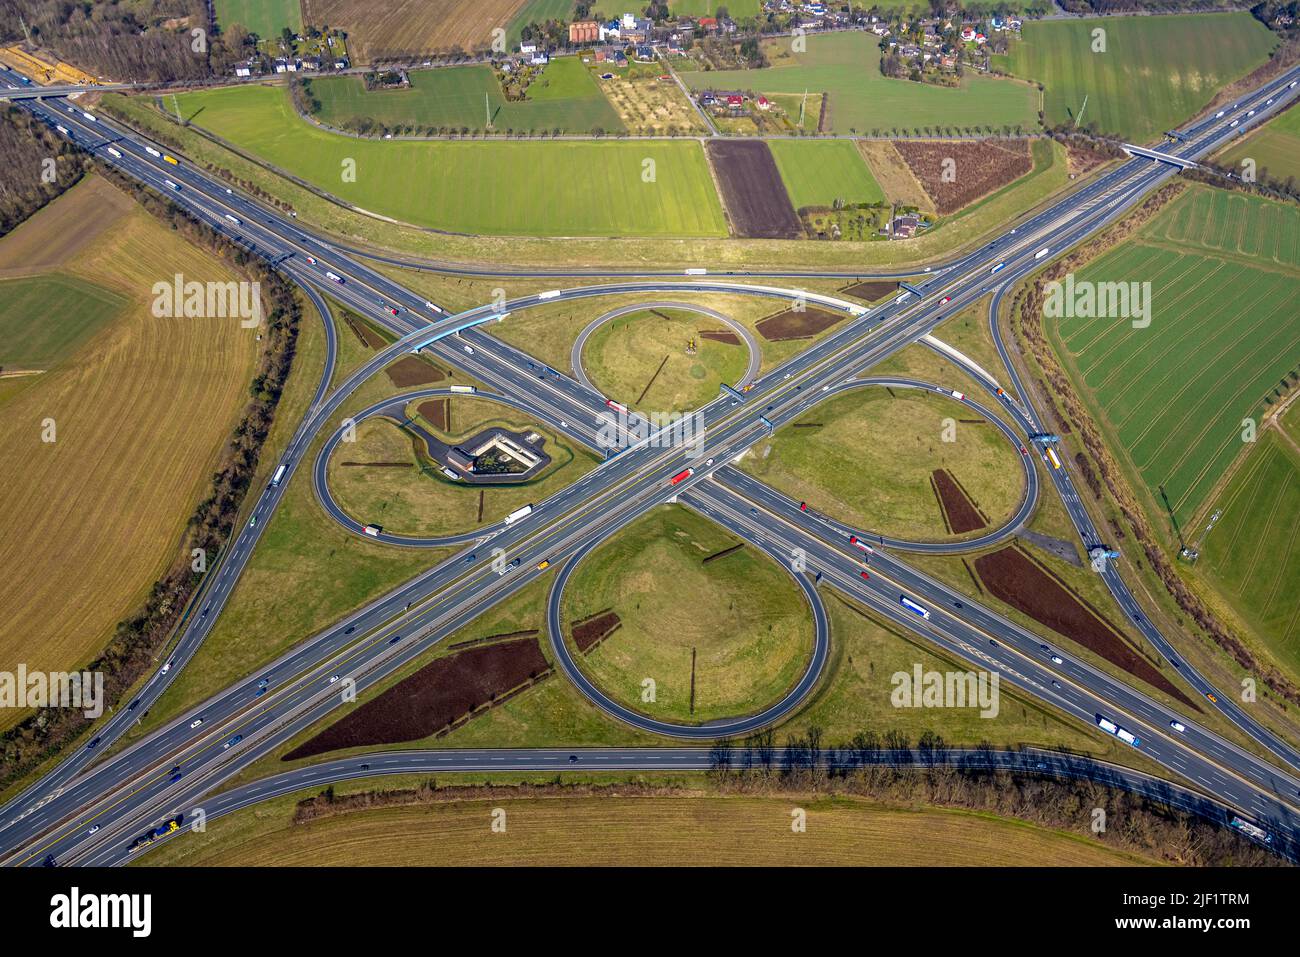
<point x="469" y="761"/>
<point x="631" y="482"/>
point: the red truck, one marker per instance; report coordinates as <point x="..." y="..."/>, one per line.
<point x="681" y="476"/>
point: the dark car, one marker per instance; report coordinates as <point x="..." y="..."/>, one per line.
<point x="173" y="779"/>
<point x="349" y="629"/>
<point x="470" y="559"/>
<point x="573" y="759"/>
<point x="395" y="639"/>
<point x="133" y="705"/>
<point x="94" y="742"/>
<point x="365" y="767"/>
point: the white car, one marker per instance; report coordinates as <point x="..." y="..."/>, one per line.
<point x="708" y="463"/>
<point x="93" y="829"/>
<point x="469" y="350"/>
<point x="167" y="667"/>
<point x="1178" y="726"/>
<point x="1056" y="660"/>
<point x="334" y="678"/>
<point x="195" y="723"/>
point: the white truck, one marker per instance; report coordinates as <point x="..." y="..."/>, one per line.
<point x="519" y="513"/>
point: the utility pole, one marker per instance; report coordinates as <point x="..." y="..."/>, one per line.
<point x="487" y="111"/>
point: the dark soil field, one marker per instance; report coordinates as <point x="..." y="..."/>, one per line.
<point x="796" y="325"/>
<point x="435" y="410"/>
<point x="590" y="632"/>
<point x="960" y="513"/>
<point x="440" y="694"/>
<point x="729" y="338"/>
<point x="367" y="336"/>
<point x="752" y="190"/>
<point x="978" y="168"/>
<point x="871" y="291"/>
<point x="412" y="370"/>
<point x="1022" y="583"/>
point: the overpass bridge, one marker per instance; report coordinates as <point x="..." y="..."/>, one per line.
<point x="1158" y="156"/>
<point x="36" y="92"/>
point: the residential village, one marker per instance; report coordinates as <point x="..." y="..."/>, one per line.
<point x="933" y="49"/>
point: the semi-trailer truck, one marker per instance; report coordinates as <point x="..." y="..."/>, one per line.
<point x="335" y="277"/>
<point x="278" y="476"/>
<point x="373" y="530"/>
<point x="681" y="476"/>
<point x="519" y="513"/>
<point x="1052" y="458"/>
<point x="914" y="607"/>
<point x="152" y="152"/>
<point x="462" y="388"/>
<point x="1110" y="727"/>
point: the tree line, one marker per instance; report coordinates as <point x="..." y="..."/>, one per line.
<point x="38" y="165"/>
<point x="929" y="772"/>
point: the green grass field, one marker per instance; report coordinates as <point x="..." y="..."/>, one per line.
<point x="738" y="9"/>
<point x="1253" y="552"/>
<point x="45" y="319"/>
<point x="640" y="360"/>
<point x="537" y="11"/>
<point x="495" y="188"/>
<point x="1275" y="147"/>
<point x="1224" y="330"/>
<point x="818" y="172"/>
<point x="266" y="18"/>
<point x="847" y="67"/>
<point x="1156" y="72"/>
<point x="739" y="621"/>
<point x="565" y="97"/>
<point x="869" y="457"/>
